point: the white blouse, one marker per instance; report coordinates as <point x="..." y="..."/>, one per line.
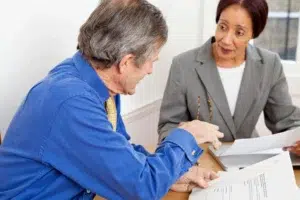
<point x="231" y="79"/>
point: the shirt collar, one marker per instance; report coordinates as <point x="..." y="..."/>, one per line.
<point x="89" y="75"/>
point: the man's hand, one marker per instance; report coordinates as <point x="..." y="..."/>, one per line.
<point x="203" y="132"/>
<point x="195" y="177"/>
<point x="295" y="149"/>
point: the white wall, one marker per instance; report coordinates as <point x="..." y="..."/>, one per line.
<point x="37" y="34"/>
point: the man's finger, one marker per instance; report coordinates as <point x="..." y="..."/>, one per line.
<point x="178" y="187"/>
<point x="201" y="182"/>
<point x="215" y="135"/>
<point x="213" y="175"/>
<point x="216" y="144"/>
<point x="211" y="139"/>
<point x="183" y="179"/>
<point x="219" y="134"/>
<point x="191" y="187"/>
<point x="183" y="187"/>
<point x="211" y="126"/>
<point x="182" y="123"/>
<point x="210" y="175"/>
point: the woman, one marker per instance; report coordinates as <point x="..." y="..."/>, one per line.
<point x="229" y="82"/>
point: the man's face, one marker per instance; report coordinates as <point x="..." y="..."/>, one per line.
<point x="133" y="74"/>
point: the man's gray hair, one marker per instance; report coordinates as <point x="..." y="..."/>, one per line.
<point x="120" y="27"/>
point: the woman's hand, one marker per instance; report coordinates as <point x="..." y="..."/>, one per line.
<point x="295" y="149"/>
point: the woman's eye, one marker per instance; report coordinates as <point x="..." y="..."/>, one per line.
<point x="240" y="33"/>
<point x="222" y="27"/>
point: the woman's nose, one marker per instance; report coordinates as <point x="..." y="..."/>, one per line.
<point x="227" y="39"/>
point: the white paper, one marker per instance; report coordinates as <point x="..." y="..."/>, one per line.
<point x="270" y="151"/>
<point x="252" y="145"/>
<point x="249" y="189"/>
<point x="271" y="179"/>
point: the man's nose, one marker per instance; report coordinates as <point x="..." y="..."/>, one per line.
<point x="150" y="70"/>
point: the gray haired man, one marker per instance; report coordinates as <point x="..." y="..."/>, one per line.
<point x="68" y="140"/>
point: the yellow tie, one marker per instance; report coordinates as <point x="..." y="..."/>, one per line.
<point x="111" y="112"/>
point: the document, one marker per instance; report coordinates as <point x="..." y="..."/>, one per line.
<point x="252" y="145"/>
<point x="251" y="189"/>
<point x="271" y="179"/>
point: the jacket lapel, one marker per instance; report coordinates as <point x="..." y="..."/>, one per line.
<point x="250" y="85"/>
<point x="209" y="75"/>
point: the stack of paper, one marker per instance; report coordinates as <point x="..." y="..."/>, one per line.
<point x="252" y="145"/>
<point x="271" y="179"/>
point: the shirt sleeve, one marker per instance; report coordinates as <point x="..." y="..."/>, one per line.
<point x="83" y="146"/>
<point x="141" y="149"/>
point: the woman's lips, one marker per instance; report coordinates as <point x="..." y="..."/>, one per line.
<point x="226" y="51"/>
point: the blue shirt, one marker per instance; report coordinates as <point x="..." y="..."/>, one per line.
<point x="60" y="145"/>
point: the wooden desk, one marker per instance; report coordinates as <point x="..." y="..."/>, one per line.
<point x="206" y="160"/>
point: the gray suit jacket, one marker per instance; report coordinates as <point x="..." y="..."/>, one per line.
<point x="194" y="74"/>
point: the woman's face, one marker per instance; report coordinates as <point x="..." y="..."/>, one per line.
<point x="234" y="30"/>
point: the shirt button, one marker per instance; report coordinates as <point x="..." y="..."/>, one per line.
<point x="193" y="152"/>
<point x="88" y="191"/>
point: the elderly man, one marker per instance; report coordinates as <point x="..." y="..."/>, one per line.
<point x="68" y="140"/>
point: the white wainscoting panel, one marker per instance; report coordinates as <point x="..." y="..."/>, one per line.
<point x="141" y="124"/>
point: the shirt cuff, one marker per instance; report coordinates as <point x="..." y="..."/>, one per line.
<point x="186" y="142"/>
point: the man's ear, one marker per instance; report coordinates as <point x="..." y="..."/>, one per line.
<point x="125" y="62"/>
